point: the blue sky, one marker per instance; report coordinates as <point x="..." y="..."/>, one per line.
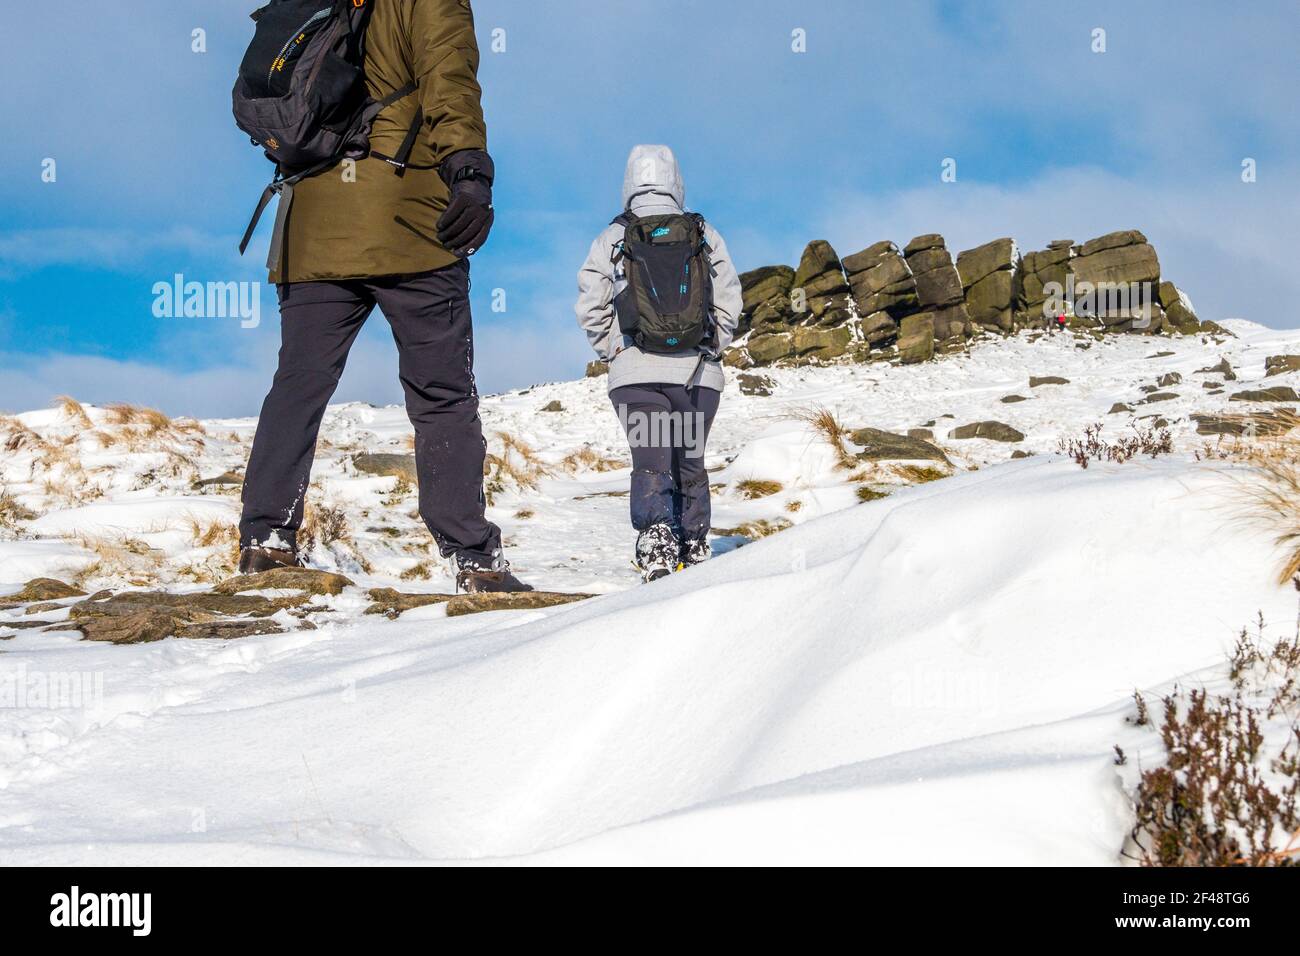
<point x="843" y="142"/>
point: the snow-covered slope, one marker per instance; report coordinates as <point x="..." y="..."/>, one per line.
<point x="935" y="676"/>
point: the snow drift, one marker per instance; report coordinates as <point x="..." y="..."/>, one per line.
<point x="938" y="676"/>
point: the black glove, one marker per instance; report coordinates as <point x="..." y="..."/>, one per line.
<point x="464" y="226"/>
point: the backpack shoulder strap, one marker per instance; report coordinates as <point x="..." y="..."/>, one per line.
<point x="705" y="249"/>
<point x="624" y="219"/>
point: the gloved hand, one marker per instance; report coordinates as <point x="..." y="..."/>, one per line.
<point x="464" y="226"/>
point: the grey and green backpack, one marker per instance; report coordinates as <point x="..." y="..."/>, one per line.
<point x="665" y="305"/>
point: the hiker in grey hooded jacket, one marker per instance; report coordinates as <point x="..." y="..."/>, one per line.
<point x="670" y="490"/>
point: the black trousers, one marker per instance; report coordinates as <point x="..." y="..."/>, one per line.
<point x="430" y="318"/>
<point x="667" y="427"/>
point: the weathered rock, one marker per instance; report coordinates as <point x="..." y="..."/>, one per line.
<point x="553" y="406"/>
<point x="225" y="479"/>
<point x="759" y="285"/>
<point x="759" y="385"/>
<point x="931" y="240"/>
<point x="991" y="301"/>
<point x="990" y="430"/>
<point x="920" y="433"/>
<point x="42" y="607"/>
<point x="1223" y="368"/>
<point x="937" y="281"/>
<point x="515" y="601"/>
<point x="1036" y="380"/>
<point x="1263" y="424"/>
<point x="1119" y="407"/>
<point x="996" y="256"/>
<point x="886" y="446"/>
<point x="916" y="338"/>
<point x="766" y="349"/>
<point x="952" y="322"/>
<point x="1158" y="397"/>
<point x="1112" y="240"/>
<point x="737" y="358"/>
<point x="869" y="257"/>
<point x="40" y="589"/>
<point x="135" y="617"/>
<point x="391" y="603"/>
<point x="878" y="328"/>
<point x="1117" y="264"/>
<point x="1278" y="393"/>
<point x="229" y="630"/>
<point x="1281" y="364"/>
<point x="1012" y="399"/>
<point x="1169" y="379"/>
<point x="597" y="368"/>
<point x="307" y="580"/>
<point x="1178" y="310"/>
<point x="387" y="465"/>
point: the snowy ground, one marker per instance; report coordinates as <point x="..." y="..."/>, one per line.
<point x="937" y="676"/>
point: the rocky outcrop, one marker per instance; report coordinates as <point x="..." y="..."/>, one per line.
<point x="911" y="304"/>
<point x="989" y="283"/>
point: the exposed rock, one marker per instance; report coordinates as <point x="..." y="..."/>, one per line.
<point x="931" y="240"/>
<point x="1178" y="309"/>
<point x="1112" y="240"/>
<point x="135" y="617"/>
<point x="821" y="280"/>
<point x="916" y="338"/>
<point x="391" y="603"/>
<point x="225" y="479"/>
<point x="514" y="601"/>
<point x="991" y="301"/>
<point x="737" y="358"/>
<point x="1012" y="399"/>
<point x="40" y="589"/>
<point x="937" y="281"/>
<point x="920" y="433"/>
<point x="766" y="349"/>
<point x="553" y="406"/>
<point x="993" y="431"/>
<point x="1223" y="368"/>
<point x="886" y="446"/>
<point x="42" y="607"/>
<point x="1262" y="423"/>
<point x="1168" y="379"/>
<point x="759" y="385"/>
<point x="1119" y="407"/>
<point x="878" y="329"/>
<point x="597" y="368"/>
<point x="387" y="465"/>
<point x="1158" y="397"/>
<point x="974" y="264"/>
<point x="307" y="580"/>
<point x="1280" y="364"/>
<point x="1278" y="393"/>
<point x="1037" y="380"/>
<point x="821" y="343"/>
<point x="229" y="630"/>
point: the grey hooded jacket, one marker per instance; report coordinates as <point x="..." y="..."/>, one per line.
<point x="652" y="186"/>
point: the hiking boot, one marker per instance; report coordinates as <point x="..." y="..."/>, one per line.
<point x="475" y="578"/>
<point x="253" y="560"/>
<point x="696" y="551"/>
<point x="658" y="552"/>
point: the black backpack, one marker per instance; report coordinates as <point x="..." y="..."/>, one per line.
<point x="666" y="305"/>
<point x="301" y="95"/>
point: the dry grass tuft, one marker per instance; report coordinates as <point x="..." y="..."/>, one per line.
<point x="587" y="458"/>
<point x="119" y="558"/>
<point x="12" y="511"/>
<point x="867" y="493"/>
<point x="918" y="474"/>
<point x="420" y="571"/>
<point x="73" y="409"/>
<point x="824" y="423"/>
<point x="758" y="488"/>
<point x="1268" y="490"/>
<point x="755" y="529"/>
<point x="517" y="465"/>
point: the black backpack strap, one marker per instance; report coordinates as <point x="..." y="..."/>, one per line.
<point x="624" y="219"/>
<point x="402" y="159"/>
<point x="705" y="249"/>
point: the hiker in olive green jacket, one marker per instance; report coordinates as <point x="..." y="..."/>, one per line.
<point x="364" y="234"/>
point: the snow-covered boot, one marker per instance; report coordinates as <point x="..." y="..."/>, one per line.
<point x="696" y="551"/>
<point x="658" y="552"/>
<point x="474" y="577"/>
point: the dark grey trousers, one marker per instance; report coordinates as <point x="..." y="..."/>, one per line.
<point x="430" y="318"/>
<point x="669" y="484"/>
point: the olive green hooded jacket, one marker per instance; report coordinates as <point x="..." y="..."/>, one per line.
<point x="383" y="224"/>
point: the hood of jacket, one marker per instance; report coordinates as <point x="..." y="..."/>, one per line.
<point x="653" y="174"/>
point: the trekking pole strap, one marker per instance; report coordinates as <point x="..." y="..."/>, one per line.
<point x="262" y="203"/>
